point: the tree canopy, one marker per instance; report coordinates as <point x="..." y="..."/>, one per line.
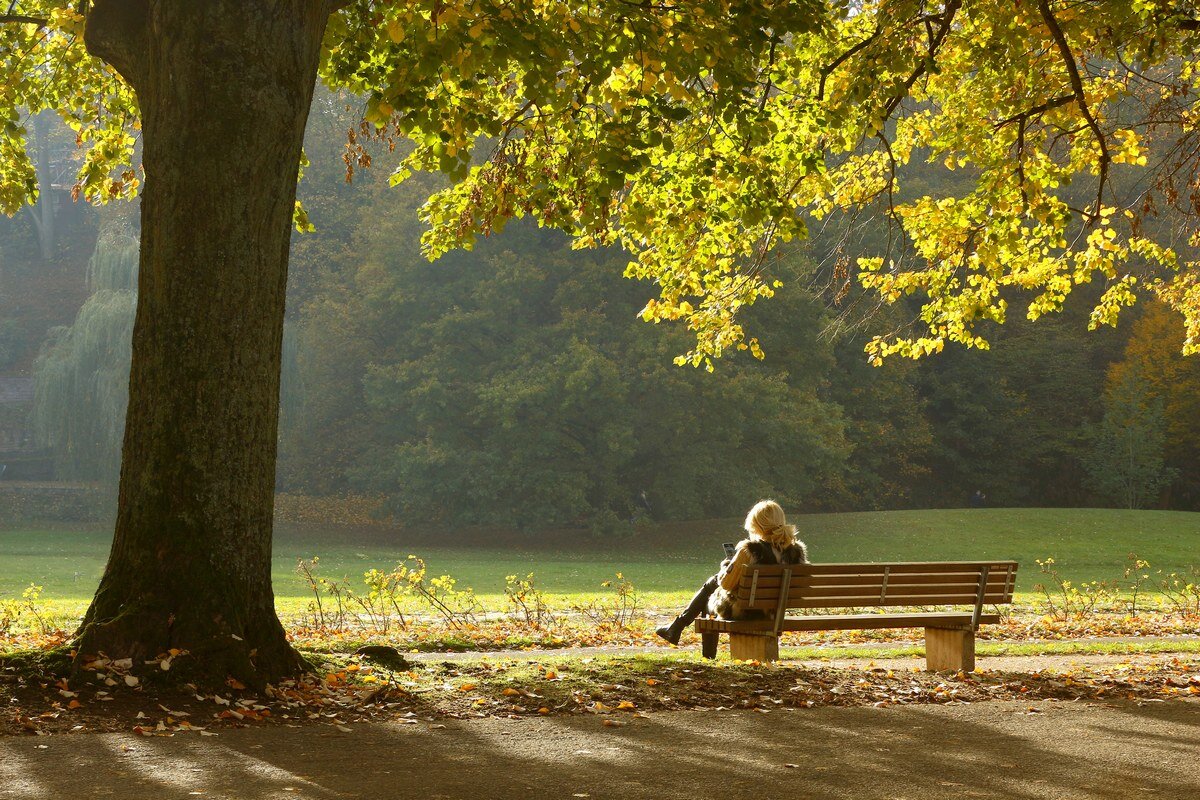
<point x="700" y="135"/>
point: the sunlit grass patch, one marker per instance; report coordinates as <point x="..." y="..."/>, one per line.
<point x="666" y="562"/>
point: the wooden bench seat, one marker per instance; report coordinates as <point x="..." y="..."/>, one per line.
<point x="773" y="590"/>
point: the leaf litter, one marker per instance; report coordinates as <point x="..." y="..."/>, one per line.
<point x="615" y="689"/>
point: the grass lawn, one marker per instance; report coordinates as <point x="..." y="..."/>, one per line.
<point x="666" y="562"/>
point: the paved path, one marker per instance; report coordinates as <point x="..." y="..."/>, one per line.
<point x="1063" y="751"/>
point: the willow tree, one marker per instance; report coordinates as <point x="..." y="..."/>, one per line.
<point x="82" y="374"/>
<point x="697" y="135"/>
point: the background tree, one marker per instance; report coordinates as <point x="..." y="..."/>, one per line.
<point x="1151" y="356"/>
<point x="82" y="374"/>
<point x="1126" y="464"/>
<point x="513" y="385"/>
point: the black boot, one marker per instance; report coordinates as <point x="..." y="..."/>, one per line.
<point x="697" y="606"/>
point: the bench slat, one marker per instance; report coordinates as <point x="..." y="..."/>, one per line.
<point x="893" y="590"/>
<point x="895" y="568"/>
<point x="834" y="622"/>
<point x="883" y="585"/>
<point x="864" y="601"/>
<point x="766" y="580"/>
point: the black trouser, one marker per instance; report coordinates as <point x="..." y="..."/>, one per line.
<point x="697" y="606"/>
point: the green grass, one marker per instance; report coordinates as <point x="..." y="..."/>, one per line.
<point x="667" y="562"/>
<point x="986" y="648"/>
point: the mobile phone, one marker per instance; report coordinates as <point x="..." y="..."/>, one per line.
<point x="730" y="547"/>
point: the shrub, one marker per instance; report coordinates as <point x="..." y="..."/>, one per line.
<point x="617" y="611"/>
<point x="526" y="602"/>
<point x="23" y="612"/>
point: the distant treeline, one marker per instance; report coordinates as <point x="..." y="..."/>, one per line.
<point x="515" y="385"/>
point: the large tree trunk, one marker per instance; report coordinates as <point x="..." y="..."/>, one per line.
<point x="224" y="88"/>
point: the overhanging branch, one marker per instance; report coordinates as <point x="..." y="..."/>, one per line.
<point x="1068" y="59"/>
<point x="23" y="19"/>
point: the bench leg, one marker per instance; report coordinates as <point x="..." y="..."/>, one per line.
<point x="708" y="645"/>
<point x="754" y="646"/>
<point x="948" y="649"/>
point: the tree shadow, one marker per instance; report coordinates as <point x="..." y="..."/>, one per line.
<point x="992" y="750"/>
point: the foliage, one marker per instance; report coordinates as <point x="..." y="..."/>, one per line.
<point x="24" y="612"/>
<point x="699" y="136"/>
<point x="527" y="602"/>
<point x="1064" y="599"/>
<point x="513" y="386"/>
<point x="334" y="602"/>
<point x="890" y="431"/>
<point x="618" y="610"/>
<point x="1152" y="355"/>
<point x="1136" y="579"/>
<point x="1127" y="464"/>
<point x="1132" y="592"/>
<point x="1181" y="592"/>
<point x="82" y="375"/>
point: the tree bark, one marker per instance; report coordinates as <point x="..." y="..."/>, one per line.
<point x="224" y="88"/>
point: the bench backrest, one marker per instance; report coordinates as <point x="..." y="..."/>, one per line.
<point x="932" y="583"/>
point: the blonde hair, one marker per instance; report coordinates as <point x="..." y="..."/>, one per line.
<point x="767" y="521"/>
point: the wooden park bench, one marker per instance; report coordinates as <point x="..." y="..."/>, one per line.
<point x="949" y="635"/>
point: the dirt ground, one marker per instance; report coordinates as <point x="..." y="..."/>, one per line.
<point x="988" y="750"/>
<point x="1040" y="747"/>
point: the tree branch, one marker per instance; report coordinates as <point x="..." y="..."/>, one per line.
<point x="1024" y="116"/>
<point x="117" y="32"/>
<point x="22" y="19"/>
<point x="1068" y="58"/>
<point x="935" y="43"/>
<point x="828" y="69"/>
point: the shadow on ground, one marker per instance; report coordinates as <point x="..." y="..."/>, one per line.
<point x="987" y="750"/>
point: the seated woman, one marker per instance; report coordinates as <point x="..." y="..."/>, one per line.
<point x="770" y="540"/>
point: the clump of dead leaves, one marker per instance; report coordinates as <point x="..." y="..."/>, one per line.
<point x="614" y="687"/>
<point x="615" y="690"/>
